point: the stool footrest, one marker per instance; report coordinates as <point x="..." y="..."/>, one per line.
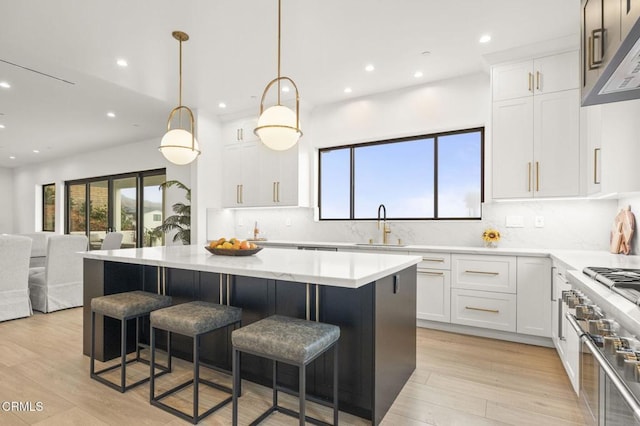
<point x="96" y="374"/>
<point x="289" y="413"/>
<point x="156" y="400"/>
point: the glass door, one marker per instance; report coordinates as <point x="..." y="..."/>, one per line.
<point x="76" y="209"/>
<point x="124" y="211"/>
<point x="152" y="209"/>
<point x="98" y="213"/>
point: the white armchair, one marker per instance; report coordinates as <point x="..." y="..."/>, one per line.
<point x="58" y="285"/>
<point x="15" y="252"/>
<point x="112" y="241"/>
<point x="38" y="247"/>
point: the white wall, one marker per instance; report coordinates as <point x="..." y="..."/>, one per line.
<point x="6" y="212"/>
<point x="446" y="105"/>
<point x="27" y="180"/>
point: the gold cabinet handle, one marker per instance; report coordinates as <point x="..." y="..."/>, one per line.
<point x="537" y="176"/>
<point x="278" y="191"/>
<point x="529" y="176"/>
<point x="537" y="80"/>
<point x="530" y="82"/>
<point x="237" y="194"/>
<point x="481" y="272"/>
<point x="241" y="194"/>
<point x="435" y="274"/>
<point x="241" y="134"/>
<point x="596" y="157"/>
<point x="433" y="259"/>
<point x="273" y="195"/>
<point x="493" y="311"/>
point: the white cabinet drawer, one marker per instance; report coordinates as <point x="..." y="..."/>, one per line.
<point x="431" y="260"/>
<point x="486" y="273"/>
<point x="484" y="309"/>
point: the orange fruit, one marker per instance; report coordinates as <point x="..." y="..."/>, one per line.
<point x="244" y="245"/>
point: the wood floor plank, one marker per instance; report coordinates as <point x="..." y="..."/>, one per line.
<point x="459" y="380"/>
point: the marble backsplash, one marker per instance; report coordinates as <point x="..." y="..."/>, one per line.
<point x="568" y="224"/>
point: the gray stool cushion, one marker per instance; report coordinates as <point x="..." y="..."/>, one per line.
<point x="129" y="304"/>
<point x="195" y="318"/>
<point x="289" y="339"/>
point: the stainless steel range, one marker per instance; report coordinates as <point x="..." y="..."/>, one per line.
<point x="625" y="282"/>
<point x="609" y="354"/>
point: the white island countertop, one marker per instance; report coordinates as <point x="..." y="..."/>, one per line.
<point x="350" y="270"/>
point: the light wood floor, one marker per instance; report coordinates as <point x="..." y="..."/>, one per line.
<point x="459" y="380"/>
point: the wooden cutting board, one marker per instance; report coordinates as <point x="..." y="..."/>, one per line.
<point x="622" y="231"/>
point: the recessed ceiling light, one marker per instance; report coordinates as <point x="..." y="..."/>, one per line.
<point x="418" y="74"/>
<point x="222" y="105"/>
<point x="122" y="63"/>
<point x="1" y="126"/>
<point x="5" y="84"/>
<point x="369" y="68"/>
<point x="111" y="115"/>
<point x="347" y="90"/>
<point x="11" y="157"/>
<point x="35" y="151"/>
<point x="285" y="89"/>
<point x="485" y="38"/>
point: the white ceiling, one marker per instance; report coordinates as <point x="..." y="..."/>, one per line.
<point x="230" y="58"/>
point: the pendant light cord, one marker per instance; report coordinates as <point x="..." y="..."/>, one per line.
<point x="279" y="21"/>
<point x="180" y="86"/>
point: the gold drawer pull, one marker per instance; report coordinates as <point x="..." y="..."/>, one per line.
<point x="437" y="274"/>
<point x="433" y="259"/>
<point x="482" y="272"/>
<point x="493" y="311"/>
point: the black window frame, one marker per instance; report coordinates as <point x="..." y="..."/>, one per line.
<point x="139" y="175"/>
<point x="433" y="136"/>
<point x="44" y="207"/>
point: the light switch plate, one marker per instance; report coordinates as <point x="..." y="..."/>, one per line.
<point x="539" y="221"/>
<point x="514" y="222"/>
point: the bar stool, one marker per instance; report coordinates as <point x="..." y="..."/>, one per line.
<point x="192" y="319"/>
<point x="292" y="341"/>
<point x="123" y="307"/>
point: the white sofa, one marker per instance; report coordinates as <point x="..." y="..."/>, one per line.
<point x="14" y="277"/>
<point x="58" y="285"/>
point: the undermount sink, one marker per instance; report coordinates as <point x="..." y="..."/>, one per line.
<point x="380" y="245"/>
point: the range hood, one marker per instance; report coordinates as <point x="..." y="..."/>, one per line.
<point x="610" y="68"/>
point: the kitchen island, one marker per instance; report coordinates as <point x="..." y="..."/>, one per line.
<point x="372" y="297"/>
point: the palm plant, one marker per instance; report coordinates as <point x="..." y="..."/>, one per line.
<point x="181" y="220"/>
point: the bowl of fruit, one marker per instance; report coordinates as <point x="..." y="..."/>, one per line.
<point x="232" y="247"/>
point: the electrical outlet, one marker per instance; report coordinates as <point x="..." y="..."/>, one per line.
<point x="287" y="222"/>
<point x="514" y="222"/>
<point x="240" y="222"/>
<point x="539" y="222"/>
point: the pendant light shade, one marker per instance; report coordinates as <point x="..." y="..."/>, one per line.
<point x="179" y="145"/>
<point x="279" y="126"/>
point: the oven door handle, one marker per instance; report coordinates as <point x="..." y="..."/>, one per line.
<point x="604" y="364"/>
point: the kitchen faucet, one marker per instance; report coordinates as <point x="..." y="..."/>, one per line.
<point x="386" y="230"/>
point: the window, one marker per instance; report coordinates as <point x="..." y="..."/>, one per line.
<point x="130" y="203"/>
<point x="437" y="176"/>
<point x="49" y="207"/>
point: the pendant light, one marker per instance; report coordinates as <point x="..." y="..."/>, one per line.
<point x="179" y="145"/>
<point x="278" y="126"/>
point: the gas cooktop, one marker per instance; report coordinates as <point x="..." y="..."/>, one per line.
<point x="625" y="282"/>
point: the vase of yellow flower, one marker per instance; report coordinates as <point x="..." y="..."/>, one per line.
<point x="491" y="237"/>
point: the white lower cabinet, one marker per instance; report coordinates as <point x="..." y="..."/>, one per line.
<point x="433" y="295"/>
<point x="484" y="272"/>
<point x="564" y="337"/>
<point x="534" y="296"/>
<point x="485" y="309"/>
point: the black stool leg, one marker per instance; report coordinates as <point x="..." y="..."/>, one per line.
<point x="275" y="383"/>
<point x="335" y="385"/>
<point x="196" y="376"/>
<point x="152" y="364"/>
<point x="169" y="350"/>
<point x="123" y="354"/>
<point x="137" y="338"/>
<point x="302" y="393"/>
<point x="93" y="344"/>
<point x="235" y="369"/>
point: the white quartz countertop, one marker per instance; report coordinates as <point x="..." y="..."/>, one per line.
<point x="351" y="270"/>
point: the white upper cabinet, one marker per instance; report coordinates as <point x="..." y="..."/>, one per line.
<point x="256" y="176"/>
<point x="239" y="131"/>
<point x="536" y="147"/>
<point x="547" y="74"/>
